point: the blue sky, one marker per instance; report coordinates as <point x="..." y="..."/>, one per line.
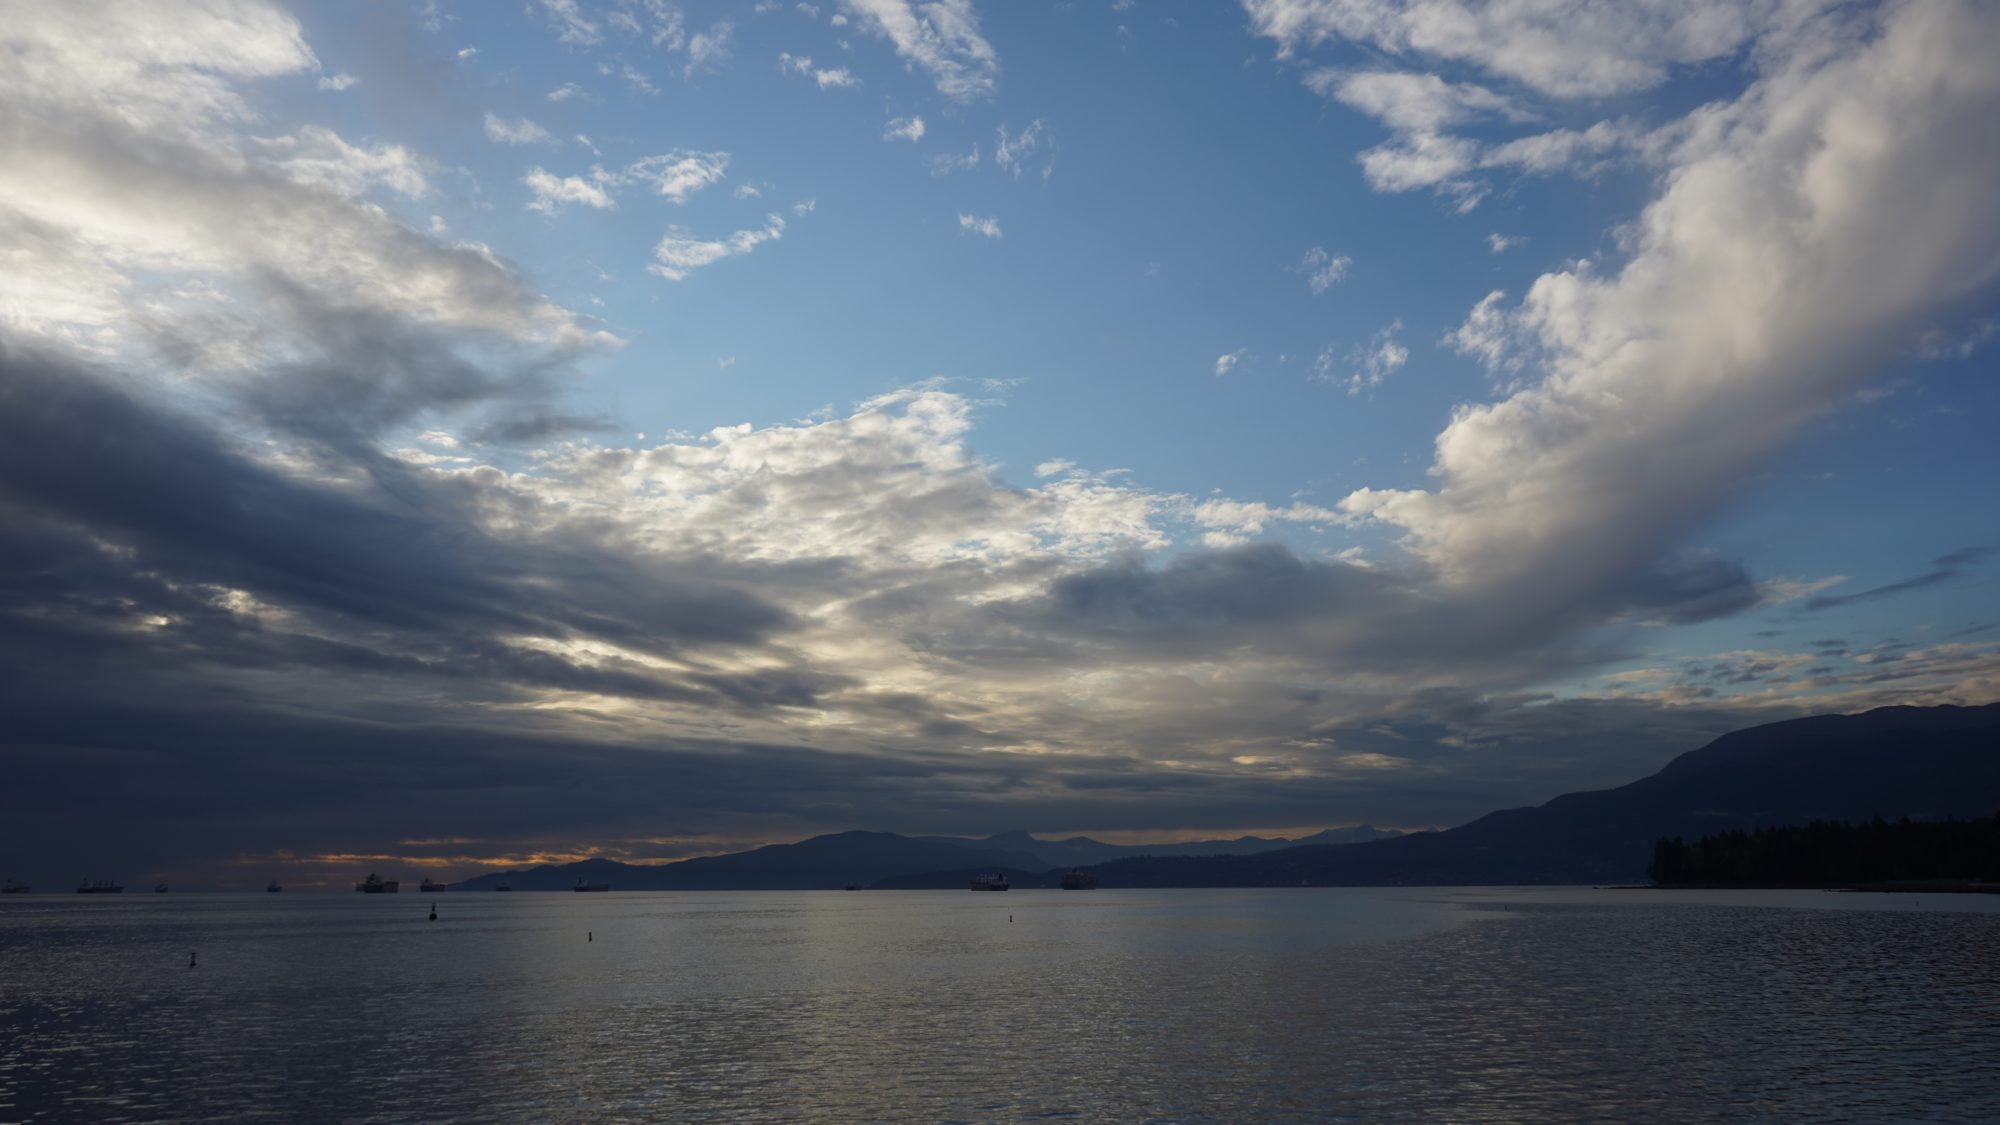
<point x="1130" y="418"/>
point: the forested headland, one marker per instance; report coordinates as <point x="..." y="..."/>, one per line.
<point x="1831" y="853"/>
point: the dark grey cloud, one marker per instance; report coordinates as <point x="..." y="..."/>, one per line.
<point x="1943" y="569"/>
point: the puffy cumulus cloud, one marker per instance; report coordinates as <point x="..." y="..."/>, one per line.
<point x="680" y="253"/>
<point x="1806" y="234"/>
<point x="1227" y="361"/>
<point x="939" y="36"/>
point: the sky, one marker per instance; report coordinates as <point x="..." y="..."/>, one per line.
<point x="447" y="436"/>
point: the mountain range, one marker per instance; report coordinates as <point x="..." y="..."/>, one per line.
<point x="1921" y="762"/>
<point x="868" y="858"/>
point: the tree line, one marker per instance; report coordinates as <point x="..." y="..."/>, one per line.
<point x="1834" y="852"/>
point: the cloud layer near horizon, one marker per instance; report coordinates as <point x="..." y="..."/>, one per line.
<point x="302" y="550"/>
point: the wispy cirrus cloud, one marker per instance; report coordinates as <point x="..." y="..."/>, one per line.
<point x="941" y="37"/>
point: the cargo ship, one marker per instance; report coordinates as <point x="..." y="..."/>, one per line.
<point x="272" y="887"/>
<point x="581" y="885"/>
<point x="1079" y="881"/>
<point x="99" y="887"/>
<point x="989" y="882"/>
<point x="14" y="887"/>
<point x="430" y="888"/>
<point x="376" y="885"/>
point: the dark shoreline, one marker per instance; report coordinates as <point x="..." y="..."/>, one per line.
<point x="1941" y="887"/>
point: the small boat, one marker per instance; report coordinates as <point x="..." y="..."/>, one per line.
<point x="431" y="888"/>
<point x="14" y="887"/>
<point x="376" y="885"/>
<point x="159" y="888"/>
<point x="1079" y="881"/>
<point x="989" y="882"/>
<point x="272" y="887"/>
<point x="581" y="885"/>
<point x="503" y="885"/>
<point x="99" y="887"/>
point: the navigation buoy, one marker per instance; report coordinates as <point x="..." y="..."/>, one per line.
<point x="190" y="958"/>
<point x="588" y="936"/>
<point x="434" y="912"/>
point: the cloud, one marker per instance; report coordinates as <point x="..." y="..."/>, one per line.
<point x="945" y="163"/>
<point x="989" y="226"/>
<point x="565" y="92"/>
<point x="1322" y="269"/>
<point x="337" y="82"/>
<point x="1561" y="48"/>
<point x="674" y="175"/>
<point x="570" y="24"/>
<point x="552" y="191"/>
<point x="941" y="37"/>
<point x="1501" y="243"/>
<point x="1008" y="154"/>
<point x="1944" y="568"/>
<point x="1411" y="103"/>
<point x="1806" y="233"/>
<point x="324" y="159"/>
<point x="1226" y="362"/>
<point x="680" y="253"/>
<point x="904" y="129"/>
<point x="1368" y="364"/>
<point x="680" y="173"/>
<point x="519" y="131"/>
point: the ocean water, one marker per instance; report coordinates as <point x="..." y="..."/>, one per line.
<point x="1312" y="1004"/>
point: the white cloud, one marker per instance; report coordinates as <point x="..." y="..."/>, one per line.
<point x="1559" y="150"/>
<point x="571" y="25"/>
<point x="465" y="53"/>
<point x="909" y="128"/>
<point x="940" y="36"/>
<point x="320" y="157"/>
<point x="1561" y="48"/>
<point x="519" y="131"/>
<point x="1805" y="235"/>
<point x="1501" y="243"/>
<point x="705" y="50"/>
<point x="747" y="191"/>
<point x="1226" y="362"/>
<point x="990" y="227"/>
<point x="839" y="78"/>
<point x="1486" y="333"/>
<point x="944" y="164"/>
<point x="680" y="253"/>
<point x="680" y="173"/>
<point x="1411" y="103"/>
<point x="565" y="92"/>
<point x="337" y="82"/>
<point x="1009" y="154"/>
<point x="552" y="191"/>
<point x="1322" y="269"/>
<point x="1378" y="359"/>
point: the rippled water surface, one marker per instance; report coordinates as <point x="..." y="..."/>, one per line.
<point x="1242" y="1005"/>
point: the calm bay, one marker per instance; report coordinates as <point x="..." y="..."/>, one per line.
<point x="1302" y="1004"/>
